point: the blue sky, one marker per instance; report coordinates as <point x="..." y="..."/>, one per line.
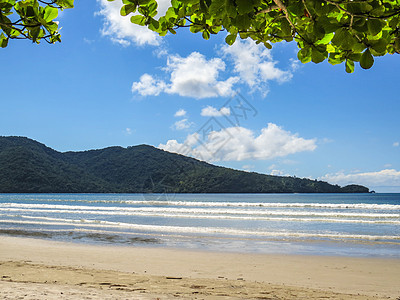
<point x="113" y="83"/>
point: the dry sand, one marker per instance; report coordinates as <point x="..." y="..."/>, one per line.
<point x="38" y="269"/>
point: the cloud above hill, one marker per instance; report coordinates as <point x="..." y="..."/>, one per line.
<point x="383" y="178"/>
<point x="239" y="143"/>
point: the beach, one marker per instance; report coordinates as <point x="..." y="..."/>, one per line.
<point x="42" y="269"/>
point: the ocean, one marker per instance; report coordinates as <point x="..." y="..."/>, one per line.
<point x="306" y="224"/>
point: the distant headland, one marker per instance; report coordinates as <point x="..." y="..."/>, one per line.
<point x="27" y="166"/>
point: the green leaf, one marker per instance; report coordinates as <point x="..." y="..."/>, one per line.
<point x="3" y="41"/>
<point x="344" y="39"/>
<point x="379" y="46"/>
<point x="267" y="45"/>
<point x="34" y="33"/>
<point x="217" y="7"/>
<point x="66" y="3"/>
<point x="190" y="1"/>
<point x="206" y="35"/>
<point x="304" y="55"/>
<point x="230" y="39"/>
<point x="326" y="39"/>
<point x="285" y="26"/>
<point x="329" y="24"/>
<point x="244" y="6"/>
<point x="349" y="66"/>
<point x="317" y="56"/>
<point x="355" y="56"/>
<point x="138" y="19"/>
<point x="242" y="22"/>
<point x="127" y="9"/>
<point x="154" y="25"/>
<point x="230" y="8"/>
<point x="397" y="44"/>
<point x="335" y="59"/>
<point x="50" y="13"/>
<point x="367" y="60"/>
<point x="375" y="26"/>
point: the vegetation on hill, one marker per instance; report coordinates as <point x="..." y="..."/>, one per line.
<point x="27" y="166"/>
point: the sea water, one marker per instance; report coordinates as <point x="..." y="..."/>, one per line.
<point x="315" y="224"/>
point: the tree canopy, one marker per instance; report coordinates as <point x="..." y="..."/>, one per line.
<point x="30" y="19"/>
<point x="339" y="31"/>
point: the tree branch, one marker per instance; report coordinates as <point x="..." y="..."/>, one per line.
<point x="307" y="10"/>
<point x="284" y="9"/>
<point x="267" y="10"/>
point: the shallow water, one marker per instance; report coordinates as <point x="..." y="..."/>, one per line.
<point x="321" y="224"/>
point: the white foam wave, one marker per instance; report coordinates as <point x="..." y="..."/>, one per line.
<point x="214" y="217"/>
<point x="203" y="211"/>
<point x="198" y="230"/>
<point x="269" y="204"/>
<point x="363" y="206"/>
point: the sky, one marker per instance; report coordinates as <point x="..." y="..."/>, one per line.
<point x="113" y="83"/>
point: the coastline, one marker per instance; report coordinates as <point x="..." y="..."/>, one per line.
<point x="149" y="273"/>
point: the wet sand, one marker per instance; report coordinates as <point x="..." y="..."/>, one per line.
<point x="40" y="269"/>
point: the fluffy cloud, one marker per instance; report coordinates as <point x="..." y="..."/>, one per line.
<point x="198" y="77"/>
<point x="148" y="86"/>
<point x="277" y="172"/>
<point x="386" y="177"/>
<point x="254" y="64"/>
<point x="121" y="30"/>
<point x="182" y="124"/>
<point x="192" y="76"/>
<point x="238" y="143"/>
<point x="180" y="113"/>
<point x="396" y="144"/>
<point x="211" y="111"/>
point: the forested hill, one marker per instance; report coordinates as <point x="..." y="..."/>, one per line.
<point x="27" y="166"/>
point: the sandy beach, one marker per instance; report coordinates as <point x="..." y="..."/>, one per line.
<point x="41" y="269"/>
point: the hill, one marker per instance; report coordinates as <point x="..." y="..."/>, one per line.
<point x="27" y="166"/>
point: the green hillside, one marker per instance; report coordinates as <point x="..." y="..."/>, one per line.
<point x="27" y="166"/>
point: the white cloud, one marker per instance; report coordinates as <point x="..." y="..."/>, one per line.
<point x="128" y="131"/>
<point x="386" y="177"/>
<point x="148" y="86"/>
<point x="326" y="141"/>
<point x="238" y="143"/>
<point x="211" y="111"/>
<point x="180" y="113"/>
<point x="192" y="76"/>
<point x="197" y="77"/>
<point x="121" y="30"/>
<point x="276" y="172"/>
<point x="88" y="41"/>
<point x="255" y="65"/>
<point x="182" y="124"/>
<point x="396" y="144"/>
<point x="294" y="64"/>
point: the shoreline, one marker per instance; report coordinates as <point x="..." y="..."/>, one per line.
<point x="157" y="268"/>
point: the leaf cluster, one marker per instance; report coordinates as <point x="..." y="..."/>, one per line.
<point x="31" y="19"/>
<point x="340" y="31"/>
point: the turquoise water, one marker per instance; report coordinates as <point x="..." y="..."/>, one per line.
<point x="315" y="224"/>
